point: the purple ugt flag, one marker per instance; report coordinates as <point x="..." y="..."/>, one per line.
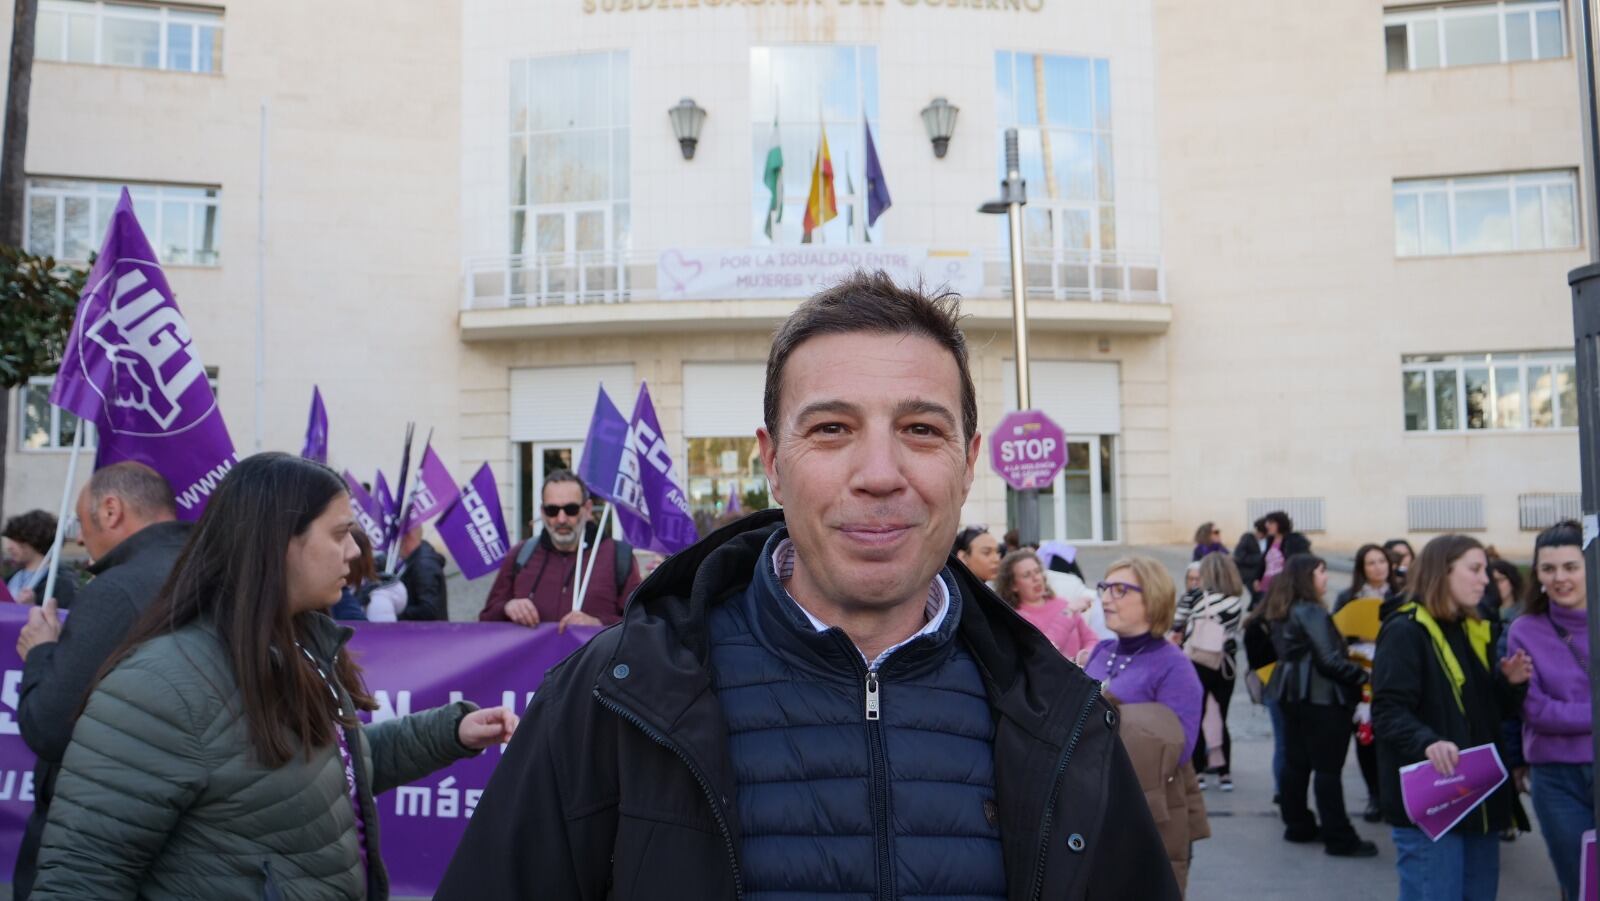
<point x="317" y="430"/>
<point x="388" y="509"/>
<point x="602" y="458"/>
<point x="434" y="494"/>
<point x="877" y="187"/>
<point x="473" y="528"/>
<point x="130" y="367"/>
<point x="645" y="459"/>
<point x="368" y="516"/>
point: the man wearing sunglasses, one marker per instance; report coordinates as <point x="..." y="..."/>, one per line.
<point x="817" y="701"/>
<point x="539" y="583"/>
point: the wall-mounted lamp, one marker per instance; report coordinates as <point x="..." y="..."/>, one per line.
<point x="939" y="117"/>
<point x="687" y="117"/>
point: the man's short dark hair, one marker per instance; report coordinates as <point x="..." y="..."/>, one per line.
<point x="563" y="475"/>
<point x="35" y="528"/>
<point x="144" y="491"/>
<point x="872" y="302"/>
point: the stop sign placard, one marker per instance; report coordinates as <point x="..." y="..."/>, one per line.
<point x="1027" y="449"/>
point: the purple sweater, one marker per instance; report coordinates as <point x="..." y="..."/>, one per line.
<point x="1555" y="717"/>
<point x="1158" y="671"/>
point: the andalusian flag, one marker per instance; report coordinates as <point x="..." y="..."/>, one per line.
<point x="773" y="177"/>
<point x="821" y="206"/>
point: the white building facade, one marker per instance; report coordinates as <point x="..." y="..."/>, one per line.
<point x="1260" y="273"/>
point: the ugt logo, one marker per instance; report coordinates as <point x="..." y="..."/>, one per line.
<point x="145" y="344"/>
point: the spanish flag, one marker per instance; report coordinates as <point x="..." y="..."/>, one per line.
<point x="820" y="205"/>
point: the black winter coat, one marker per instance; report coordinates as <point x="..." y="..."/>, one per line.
<point x="1247" y="555"/>
<point x="1314" y="665"/>
<point x="426" y="595"/>
<point x="56" y="676"/>
<point x="1413" y="707"/>
<point x="619" y="784"/>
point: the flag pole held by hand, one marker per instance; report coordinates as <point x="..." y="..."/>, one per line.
<point x="599" y="536"/>
<point x="54" y="560"/>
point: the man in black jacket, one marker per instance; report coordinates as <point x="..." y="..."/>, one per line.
<point x="422" y="572"/>
<point x="820" y="699"/>
<point x="128" y="512"/>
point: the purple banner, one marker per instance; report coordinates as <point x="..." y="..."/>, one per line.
<point x="365" y="510"/>
<point x="317" y="430"/>
<point x="436" y="490"/>
<point x="473" y="528"/>
<point x="410" y="667"/>
<point x="647" y="469"/>
<point x="1437" y="802"/>
<point x="130" y="367"/>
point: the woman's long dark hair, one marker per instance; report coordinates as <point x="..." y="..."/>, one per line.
<point x="1295" y="584"/>
<point x="1566" y="533"/>
<point x="232" y="574"/>
<point x="1359" y="580"/>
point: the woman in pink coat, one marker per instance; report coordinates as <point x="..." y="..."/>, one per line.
<point x="1022" y="584"/>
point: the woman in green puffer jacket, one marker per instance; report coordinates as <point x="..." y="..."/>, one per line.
<point x="220" y="757"/>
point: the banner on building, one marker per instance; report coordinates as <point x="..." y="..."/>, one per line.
<point x="410" y="667"/>
<point x="756" y="273"/>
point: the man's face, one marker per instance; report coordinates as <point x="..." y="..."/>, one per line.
<point x="92" y="536"/>
<point x="562" y="525"/>
<point x="870" y="464"/>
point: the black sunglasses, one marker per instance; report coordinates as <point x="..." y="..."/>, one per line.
<point x="551" y="510"/>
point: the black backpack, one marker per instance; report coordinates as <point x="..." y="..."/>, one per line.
<point x="624" y="562"/>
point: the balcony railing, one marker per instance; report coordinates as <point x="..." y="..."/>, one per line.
<point x="602" y="277"/>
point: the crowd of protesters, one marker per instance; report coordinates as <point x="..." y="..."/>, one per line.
<point x="838" y="669"/>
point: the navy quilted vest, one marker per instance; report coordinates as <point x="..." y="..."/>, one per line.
<point x="831" y="803"/>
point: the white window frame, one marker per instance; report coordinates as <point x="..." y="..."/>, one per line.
<point x="161" y="15"/>
<point x="1543" y="180"/>
<point x="1435" y="17"/>
<point x="1456" y="369"/>
<point x="45" y="382"/>
<point x="96" y="194"/>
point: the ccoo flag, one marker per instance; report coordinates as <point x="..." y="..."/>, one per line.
<point x="130" y="367"/>
<point x="473" y="528"/>
<point x="388" y="509"/>
<point x="645" y="474"/>
<point x="877" y="187"/>
<point x="434" y="494"/>
<point x="603" y="450"/>
<point x="369" y="516"/>
<point x="317" y="430"/>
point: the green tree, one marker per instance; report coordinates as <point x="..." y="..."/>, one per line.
<point x="38" y="299"/>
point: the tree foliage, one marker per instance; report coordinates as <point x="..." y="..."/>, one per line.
<point x="38" y="298"/>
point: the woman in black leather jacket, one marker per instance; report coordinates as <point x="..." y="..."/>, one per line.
<point x="1317" y="687"/>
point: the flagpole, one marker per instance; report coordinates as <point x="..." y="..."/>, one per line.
<point x="54" y="559"/>
<point x="261" y="283"/>
<point x="411" y="496"/>
<point x="392" y="547"/>
<point x="599" y="536"/>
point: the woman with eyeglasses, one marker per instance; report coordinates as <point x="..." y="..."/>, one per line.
<point x="978" y="551"/>
<point x="1022" y="584"/>
<point x="1160" y="697"/>
<point x="1557" y="727"/>
<point x="220" y="755"/>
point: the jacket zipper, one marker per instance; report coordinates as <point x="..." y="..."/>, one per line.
<point x="1055" y="791"/>
<point x="711" y="796"/>
<point x="880" y="787"/>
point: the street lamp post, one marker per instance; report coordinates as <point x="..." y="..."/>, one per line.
<point x="1585" y="283"/>
<point x="1014" y="194"/>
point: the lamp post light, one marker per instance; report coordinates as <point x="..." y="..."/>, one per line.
<point x="687" y="118"/>
<point x="1014" y="195"/>
<point x="939" y="118"/>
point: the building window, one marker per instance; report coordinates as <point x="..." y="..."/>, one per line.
<point x="1061" y="108"/>
<point x="46" y="427"/>
<point x="67" y="219"/>
<point x="1485" y="214"/>
<point x="178" y="39"/>
<point x="799" y="91"/>
<point x="724" y="472"/>
<point x="1495" y="391"/>
<point x="1473" y="34"/>
<point x="569" y="173"/>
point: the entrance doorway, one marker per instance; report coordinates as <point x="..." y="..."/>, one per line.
<point x="1080" y="505"/>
